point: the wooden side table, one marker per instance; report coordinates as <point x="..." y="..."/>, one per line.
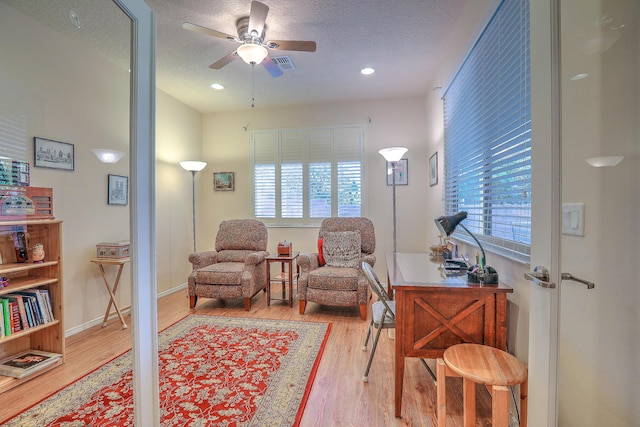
<point x="120" y="262"/>
<point x="286" y="276"/>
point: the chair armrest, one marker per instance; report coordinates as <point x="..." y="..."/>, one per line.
<point x="256" y="258"/>
<point x="369" y="259"/>
<point x="308" y="262"/>
<point x="203" y="259"/>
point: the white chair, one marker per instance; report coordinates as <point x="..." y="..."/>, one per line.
<point x="383" y="315"/>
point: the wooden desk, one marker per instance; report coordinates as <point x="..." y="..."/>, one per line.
<point x="434" y="313"/>
<point x="120" y="262"/>
<point x="285" y="277"/>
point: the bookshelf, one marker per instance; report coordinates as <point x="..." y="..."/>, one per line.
<point x="26" y="276"/>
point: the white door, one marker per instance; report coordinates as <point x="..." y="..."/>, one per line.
<point x="598" y="361"/>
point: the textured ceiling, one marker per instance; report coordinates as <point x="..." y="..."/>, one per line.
<point x="402" y="40"/>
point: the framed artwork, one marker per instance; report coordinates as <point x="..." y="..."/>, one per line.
<point x="52" y="154"/>
<point x="118" y="190"/>
<point x="223" y="181"/>
<point x="433" y="169"/>
<point x="402" y="172"/>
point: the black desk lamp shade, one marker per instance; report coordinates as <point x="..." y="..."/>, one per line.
<point x="481" y="273"/>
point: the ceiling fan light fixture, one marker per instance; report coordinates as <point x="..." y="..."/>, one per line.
<point x="252" y="53"/>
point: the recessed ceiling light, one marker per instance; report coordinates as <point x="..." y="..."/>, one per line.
<point x="367" y="71"/>
<point x="580" y="76"/>
<point x="217" y="86"/>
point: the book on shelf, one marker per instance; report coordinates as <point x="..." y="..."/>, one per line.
<point x="27" y="362"/>
<point x="6" y="314"/>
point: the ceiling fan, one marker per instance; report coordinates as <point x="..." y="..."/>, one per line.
<point x="251" y="36"/>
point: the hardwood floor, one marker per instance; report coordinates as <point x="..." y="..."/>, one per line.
<point x="338" y="397"/>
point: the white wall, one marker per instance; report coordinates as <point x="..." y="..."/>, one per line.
<point x="511" y="273"/>
<point x="388" y="122"/>
<point x="67" y="93"/>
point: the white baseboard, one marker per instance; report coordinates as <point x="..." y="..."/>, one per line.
<point x="98" y="321"/>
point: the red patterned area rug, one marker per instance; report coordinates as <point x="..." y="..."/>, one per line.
<point x="214" y="371"/>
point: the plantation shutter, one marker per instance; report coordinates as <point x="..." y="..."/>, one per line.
<point x="301" y="176"/>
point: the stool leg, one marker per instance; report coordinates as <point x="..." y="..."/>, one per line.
<point x="469" y="402"/>
<point x="524" y="391"/>
<point x="441" y="392"/>
<point x="500" y="406"/>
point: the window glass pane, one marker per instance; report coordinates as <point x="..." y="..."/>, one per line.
<point x="319" y="190"/>
<point x="488" y="135"/>
<point x="291" y="190"/>
<point x="349" y="189"/>
<point x="265" y="191"/>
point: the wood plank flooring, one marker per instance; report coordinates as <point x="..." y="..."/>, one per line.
<point x="338" y="397"/>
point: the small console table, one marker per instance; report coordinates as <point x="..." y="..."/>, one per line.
<point x="286" y="276"/>
<point x="120" y="262"/>
<point x="434" y="313"/>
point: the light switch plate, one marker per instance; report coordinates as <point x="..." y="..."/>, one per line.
<point x="573" y="219"/>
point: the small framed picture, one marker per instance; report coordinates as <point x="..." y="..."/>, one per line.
<point x="433" y="169"/>
<point x="118" y="190"/>
<point x="52" y="154"/>
<point x="402" y="172"/>
<point x="223" y="181"/>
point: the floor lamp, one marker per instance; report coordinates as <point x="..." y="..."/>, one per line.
<point x="393" y="156"/>
<point x="193" y="166"/>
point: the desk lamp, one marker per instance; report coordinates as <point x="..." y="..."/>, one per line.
<point x="480" y="273"/>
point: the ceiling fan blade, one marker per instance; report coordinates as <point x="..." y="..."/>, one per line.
<point x="257" y="18"/>
<point x="207" y="31"/>
<point x="299" y="45"/>
<point x="224" y="61"/>
<point x="272" y="67"/>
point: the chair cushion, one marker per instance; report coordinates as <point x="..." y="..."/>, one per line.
<point x="342" y="249"/>
<point x="334" y="278"/>
<point x="222" y="273"/>
<point x="234" y="255"/>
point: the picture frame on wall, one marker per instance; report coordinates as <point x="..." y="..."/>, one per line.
<point x="433" y="169"/>
<point x="118" y="190"/>
<point x="402" y="172"/>
<point x="223" y="181"/>
<point x="52" y="154"/>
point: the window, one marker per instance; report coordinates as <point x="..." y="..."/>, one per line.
<point x="301" y="176"/>
<point x="487" y="116"/>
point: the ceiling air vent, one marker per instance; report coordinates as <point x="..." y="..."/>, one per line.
<point x="284" y="62"/>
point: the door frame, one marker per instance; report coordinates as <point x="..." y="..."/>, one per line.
<point x="144" y="313"/>
<point x="546" y="203"/>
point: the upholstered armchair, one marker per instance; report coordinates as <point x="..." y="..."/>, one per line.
<point x="333" y="276"/>
<point x="236" y="268"/>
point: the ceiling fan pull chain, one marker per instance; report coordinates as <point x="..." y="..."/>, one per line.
<point x="253" y="85"/>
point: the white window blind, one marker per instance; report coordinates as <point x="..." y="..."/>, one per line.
<point x="301" y="176"/>
<point x="487" y="115"/>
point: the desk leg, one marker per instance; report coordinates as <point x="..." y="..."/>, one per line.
<point x="112" y="296"/>
<point x="399" y="376"/>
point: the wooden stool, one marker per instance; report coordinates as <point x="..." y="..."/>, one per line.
<point x="486" y="365"/>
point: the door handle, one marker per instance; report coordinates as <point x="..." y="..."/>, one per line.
<point x="540" y="276"/>
<point x="569" y="276"/>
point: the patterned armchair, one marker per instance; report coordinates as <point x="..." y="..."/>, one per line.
<point x="236" y="269"/>
<point x="346" y="242"/>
